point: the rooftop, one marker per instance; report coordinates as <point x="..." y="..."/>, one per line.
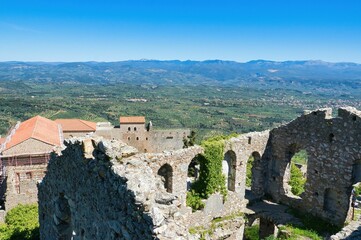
<point x="39" y="128"/>
<point x="132" y="119"/>
<point x="76" y="125"/>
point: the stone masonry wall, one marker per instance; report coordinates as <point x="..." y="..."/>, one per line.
<point x="334" y="153"/>
<point x="21" y="184"/>
<point x="152" y="141"/>
<point x="99" y="189"/>
<point x="30" y="146"/>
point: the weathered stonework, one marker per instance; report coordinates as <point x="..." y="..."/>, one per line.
<point x="334" y="162"/>
<point x="103" y="189"/>
<point x="100" y="190"/>
<point x="21" y="184"/>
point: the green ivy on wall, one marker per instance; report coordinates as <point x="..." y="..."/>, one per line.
<point x="211" y="178"/>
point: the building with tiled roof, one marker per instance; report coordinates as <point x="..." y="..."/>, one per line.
<point x="76" y="127"/>
<point x="24" y="155"/>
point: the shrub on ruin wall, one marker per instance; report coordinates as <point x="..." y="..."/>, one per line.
<point x="21" y="223"/>
<point x="211" y="178"/>
<point x="249" y="171"/>
<point x="297" y="181"/>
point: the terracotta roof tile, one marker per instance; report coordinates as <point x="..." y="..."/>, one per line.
<point x="132" y="119"/>
<point x="39" y="128"/>
<point x="76" y="125"/>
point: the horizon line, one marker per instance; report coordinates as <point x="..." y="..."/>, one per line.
<point x="179" y="60"/>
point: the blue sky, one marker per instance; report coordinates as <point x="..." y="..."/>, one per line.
<point x="243" y="30"/>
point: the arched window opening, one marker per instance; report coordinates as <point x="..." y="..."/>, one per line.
<point x="193" y="172"/>
<point x="137" y="138"/>
<point x="166" y="174"/>
<point x="135" y="129"/>
<point x="251" y="173"/>
<point x="129" y="129"/>
<point x="229" y="169"/>
<point x="295" y="175"/>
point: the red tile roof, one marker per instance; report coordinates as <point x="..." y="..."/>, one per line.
<point x="76" y="125"/>
<point x="39" y="128"/>
<point x="132" y="119"/>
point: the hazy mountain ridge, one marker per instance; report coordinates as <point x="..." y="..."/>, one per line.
<point x="258" y="73"/>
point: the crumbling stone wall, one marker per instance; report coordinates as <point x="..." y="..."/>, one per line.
<point x="101" y="190"/>
<point x="152" y="141"/>
<point x="334" y="153"/>
<point x="243" y="147"/>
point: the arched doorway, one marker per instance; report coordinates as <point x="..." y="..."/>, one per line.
<point x="229" y="169"/>
<point x="166" y="173"/>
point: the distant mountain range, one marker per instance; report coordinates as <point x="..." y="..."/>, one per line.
<point x="309" y="75"/>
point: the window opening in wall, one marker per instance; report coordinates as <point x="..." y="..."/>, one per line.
<point x="331" y="137"/>
<point x="166" y="174"/>
<point x="135" y="129"/>
<point x="29" y="175"/>
<point x="249" y="140"/>
<point x="229" y="169"/>
<point x="137" y="138"/>
<point x="295" y="175"/>
<point x="253" y="175"/>
<point x="128" y="138"/>
<point x="193" y="172"/>
<point x="17" y="183"/>
<point x="330" y="201"/>
<point x="169" y="137"/>
<point x="355" y="194"/>
<point x="129" y="128"/>
<point x="146" y="138"/>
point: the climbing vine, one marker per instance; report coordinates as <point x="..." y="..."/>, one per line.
<point x="211" y="178"/>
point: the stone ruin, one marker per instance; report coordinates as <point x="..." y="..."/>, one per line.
<point x="102" y="189"/>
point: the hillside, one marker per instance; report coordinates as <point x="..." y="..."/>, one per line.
<point x="329" y="78"/>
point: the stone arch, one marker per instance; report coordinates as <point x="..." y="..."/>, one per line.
<point x="292" y="155"/>
<point x="193" y="171"/>
<point x="229" y="170"/>
<point x="166" y="173"/>
<point x="356" y="172"/>
<point x="256" y="171"/>
<point x="62" y="218"/>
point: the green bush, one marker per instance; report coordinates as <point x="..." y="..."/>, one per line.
<point x="297" y="181"/>
<point x="211" y="178"/>
<point x="251" y="233"/>
<point x="21" y="223"/>
<point x="249" y="171"/>
<point x="194" y="200"/>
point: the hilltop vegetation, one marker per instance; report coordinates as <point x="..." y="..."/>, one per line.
<point x="207" y="109"/>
